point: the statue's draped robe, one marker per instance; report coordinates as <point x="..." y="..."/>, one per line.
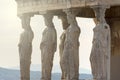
<point x="100" y="51"/>
<point x="48" y="48"/>
<point x="70" y="58"/>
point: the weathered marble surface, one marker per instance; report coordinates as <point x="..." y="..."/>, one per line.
<point x="65" y="25"/>
<point x="70" y="57"/>
<point x="100" y="54"/>
<point x="25" y="47"/>
<point x="48" y="47"/>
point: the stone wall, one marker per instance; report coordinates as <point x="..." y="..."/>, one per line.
<point x="115" y="48"/>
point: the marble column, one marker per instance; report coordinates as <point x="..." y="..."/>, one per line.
<point x="70" y="57"/>
<point x="25" y="47"/>
<point x="48" y="47"/>
<point x="65" y="25"/>
<point x="101" y="49"/>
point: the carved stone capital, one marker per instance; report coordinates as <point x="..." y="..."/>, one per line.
<point x="71" y="17"/>
<point x="100" y="13"/>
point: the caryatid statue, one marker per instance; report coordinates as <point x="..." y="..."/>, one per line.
<point x="70" y="56"/>
<point x="65" y="25"/>
<point x="100" y="54"/>
<point x="25" y="47"/>
<point x="48" y="47"/>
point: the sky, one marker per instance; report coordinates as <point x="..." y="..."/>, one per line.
<point x="10" y="30"/>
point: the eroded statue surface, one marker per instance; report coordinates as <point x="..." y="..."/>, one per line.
<point x="62" y="41"/>
<point x="25" y="48"/>
<point x="99" y="57"/>
<point x="48" y="47"/>
<point x="70" y="57"/>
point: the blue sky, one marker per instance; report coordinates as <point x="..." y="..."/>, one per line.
<point x="10" y="29"/>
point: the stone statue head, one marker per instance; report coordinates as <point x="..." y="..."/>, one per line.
<point x="100" y="14"/>
<point x="48" y="20"/>
<point x="71" y="17"/>
<point x="65" y="23"/>
<point x="25" y="20"/>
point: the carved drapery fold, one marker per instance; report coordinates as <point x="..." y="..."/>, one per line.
<point x="101" y="49"/>
<point x="25" y="47"/>
<point x="70" y="57"/>
<point x="48" y="47"/>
